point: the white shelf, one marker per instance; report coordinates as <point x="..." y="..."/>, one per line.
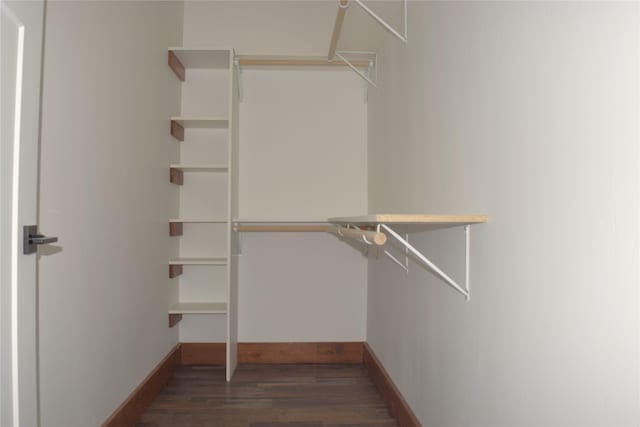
<point x="451" y="220"/>
<point x="202" y="122"/>
<point x="198" y="221"/>
<point x="202" y="57"/>
<point x="199" y="168"/>
<point x="199" y="261"/>
<point x="199" y="308"/>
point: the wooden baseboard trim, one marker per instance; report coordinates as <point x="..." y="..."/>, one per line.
<point x="130" y="411"/>
<point x="272" y="353"/>
<point x="203" y="353"/>
<point x="398" y="407"/>
<point x="319" y="352"/>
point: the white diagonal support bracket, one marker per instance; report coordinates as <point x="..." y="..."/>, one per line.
<point x="434" y="268"/>
<point x="384" y="23"/>
<point x="355" y="69"/>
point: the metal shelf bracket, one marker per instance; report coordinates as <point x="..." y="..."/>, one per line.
<point x="402" y="37"/>
<point x="428" y="263"/>
<point x="373" y="60"/>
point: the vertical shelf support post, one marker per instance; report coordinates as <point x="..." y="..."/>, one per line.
<point x="236" y="66"/>
<point x="467" y="251"/>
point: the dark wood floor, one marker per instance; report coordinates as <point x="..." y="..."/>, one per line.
<point x="268" y="396"/>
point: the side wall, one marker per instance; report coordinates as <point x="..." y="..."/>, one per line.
<point x="527" y="112"/>
<point x="104" y="293"/>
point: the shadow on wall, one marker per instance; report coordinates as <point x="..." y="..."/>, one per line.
<point x="48" y="250"/>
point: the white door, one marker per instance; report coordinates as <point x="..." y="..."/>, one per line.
<point x="21" y="27"/>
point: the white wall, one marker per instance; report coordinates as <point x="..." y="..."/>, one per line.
<point x="301" y="287"/>
<point x="527" y="112"/>
<point x="302" y="156"/>
<point x="303" y="144"/>
<point x="261" y="27"/>
<point x="107" y="96"/>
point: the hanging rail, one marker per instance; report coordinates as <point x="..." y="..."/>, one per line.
<point x="281" y="228"/>
<point x="293" y="61"/>
<point x="370" y="237"/>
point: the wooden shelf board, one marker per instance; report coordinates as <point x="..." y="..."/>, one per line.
<point x="199" y="168"/>
<point x="199" y="308"/>
<point x="198" y="221"/>
<point x="201" y="122"/>
<point x="411" y="219"/>
<point x="202" y="57"/>
<point x="198" y="261"/>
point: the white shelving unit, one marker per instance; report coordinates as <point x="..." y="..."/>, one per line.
<point x="203" y="269"/>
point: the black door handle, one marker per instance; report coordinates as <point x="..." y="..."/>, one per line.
<point x="31" y="239"/>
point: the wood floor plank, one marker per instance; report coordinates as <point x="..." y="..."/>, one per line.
<point x="269" y="396"/>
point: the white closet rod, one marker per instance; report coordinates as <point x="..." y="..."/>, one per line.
<point x="281" y="228"/>
<point x="296" y="62"/>
<point x="369" y="237"/>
